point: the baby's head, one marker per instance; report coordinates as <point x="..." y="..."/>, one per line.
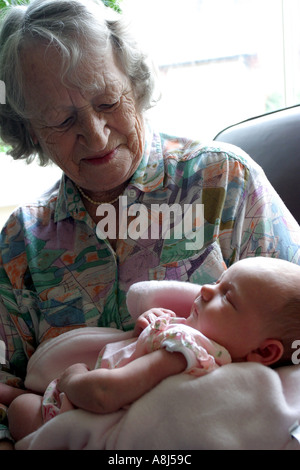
<point x="253" y="310"/>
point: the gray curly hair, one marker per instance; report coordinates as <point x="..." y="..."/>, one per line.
<point x="78" y="30"/>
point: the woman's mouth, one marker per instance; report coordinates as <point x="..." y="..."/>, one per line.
<point x="100" y="159"/>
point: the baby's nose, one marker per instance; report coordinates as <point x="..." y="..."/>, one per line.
<point x="207" y="292"/>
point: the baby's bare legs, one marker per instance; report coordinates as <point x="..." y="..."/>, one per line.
<point x="25" y="415"/>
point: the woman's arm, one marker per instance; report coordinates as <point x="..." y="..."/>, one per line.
<point x="174" y="295"/>
<point x="8" y="393"/>
<point x="108" y="390"/>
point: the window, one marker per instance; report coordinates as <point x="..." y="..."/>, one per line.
<point x="21" y="183"/>
<point x="220" y="62"/>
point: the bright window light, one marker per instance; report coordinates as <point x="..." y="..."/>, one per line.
<point x="220" y="61"/>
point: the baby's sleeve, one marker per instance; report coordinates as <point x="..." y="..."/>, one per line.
<point x="199" y="361"/>
<point x="202" y="355"/>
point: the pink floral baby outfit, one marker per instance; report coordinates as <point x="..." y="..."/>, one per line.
<point x="202" y="354"/>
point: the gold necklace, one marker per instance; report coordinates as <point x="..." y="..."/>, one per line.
<point x="97" y="203"/>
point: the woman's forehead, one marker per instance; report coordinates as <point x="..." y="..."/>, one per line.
<point x="47" y="61"/>
<point x="44" y="82"/>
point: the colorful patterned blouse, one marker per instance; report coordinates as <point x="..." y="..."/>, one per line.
<point x="56" y="274"/>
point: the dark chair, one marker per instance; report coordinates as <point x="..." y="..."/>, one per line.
<point x="273" y="141"/>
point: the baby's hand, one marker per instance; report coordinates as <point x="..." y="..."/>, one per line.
<point x="148" y="317"/>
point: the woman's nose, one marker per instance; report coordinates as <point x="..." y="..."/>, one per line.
<point x="93" y="132"/>
<point x="207" y="292"/>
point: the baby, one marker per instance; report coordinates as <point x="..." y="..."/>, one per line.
<point x="252" y="313"/>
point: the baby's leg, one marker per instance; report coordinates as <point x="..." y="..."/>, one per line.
<point x="25" y="415"/>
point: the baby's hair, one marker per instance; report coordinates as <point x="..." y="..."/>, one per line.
<point x="282" y="322"/>
<point x="287" y="323"/>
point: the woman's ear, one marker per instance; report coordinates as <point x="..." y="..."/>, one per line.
<point x="270" y="351"/>
<point x="33" y="138"/>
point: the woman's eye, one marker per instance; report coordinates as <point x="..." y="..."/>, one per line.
<point x="108" y="106"/>
<point x="67" y="122"/>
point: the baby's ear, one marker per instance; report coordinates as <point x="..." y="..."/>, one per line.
<point x="268" y="353"/>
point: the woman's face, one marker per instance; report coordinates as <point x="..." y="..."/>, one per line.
<point x="96" y="137"/>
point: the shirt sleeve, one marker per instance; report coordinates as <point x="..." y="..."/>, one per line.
<point x="202" y="354"/>
<point x="4" y="431"/>
<point x="255" y="221"/>
<point x="15" y="316"/>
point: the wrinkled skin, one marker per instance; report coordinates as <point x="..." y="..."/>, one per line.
<point x="96" y="137"/>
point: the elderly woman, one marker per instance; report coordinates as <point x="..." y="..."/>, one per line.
<point x="77" y="92"/>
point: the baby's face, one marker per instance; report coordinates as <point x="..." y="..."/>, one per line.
<point x="232" y="312"/>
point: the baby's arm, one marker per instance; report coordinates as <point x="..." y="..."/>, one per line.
<point x="108" y="390"/>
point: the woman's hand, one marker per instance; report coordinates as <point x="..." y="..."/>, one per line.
<point x="6" y="445"/>
<point x="148" y="317"/>
<point x="70" y="378"/>
<point x="97" y="391"/>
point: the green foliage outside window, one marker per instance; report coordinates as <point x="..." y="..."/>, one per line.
<point x="6" y="3"/>
<point x="109" y="3"/>
<point x="115" y="4"/>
